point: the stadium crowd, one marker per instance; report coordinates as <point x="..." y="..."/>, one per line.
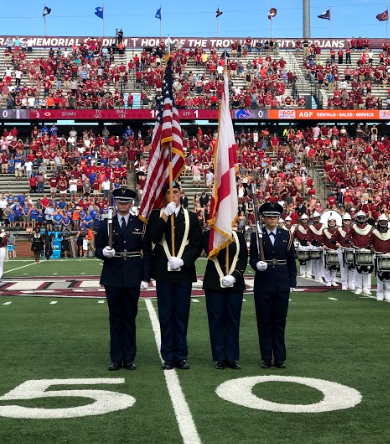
<point x="89" y="77"/>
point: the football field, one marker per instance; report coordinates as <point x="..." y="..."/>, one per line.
<point x="55" y="387"/>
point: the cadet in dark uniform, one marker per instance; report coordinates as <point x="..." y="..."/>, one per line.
<point x="126" y="270"/>
<point x="274" y="279"/>
<point x="174" y="275"/>
<point x="224" y="294"/>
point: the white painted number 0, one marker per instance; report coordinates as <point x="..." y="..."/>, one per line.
<point x="104" y="401"/>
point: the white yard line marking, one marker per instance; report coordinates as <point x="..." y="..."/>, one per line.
<point x="7" y="303"/>
<point x="183" y="415"/>
<point x="333" y="299"/>
<point x="14" y="269"/>
<point x="100" y="302"/>
<point x="53" y="302"/>
<point x="195" y="300"/>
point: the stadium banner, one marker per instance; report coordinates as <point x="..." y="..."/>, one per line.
<point x="187" y="42"/>
<point x="250" y="114"/>
<point x="14" y="114"/>
<point x="115" y="114"/>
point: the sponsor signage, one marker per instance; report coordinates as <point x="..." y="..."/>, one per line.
<point x="187" y="42"/>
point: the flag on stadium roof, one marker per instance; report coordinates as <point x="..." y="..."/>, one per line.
<point x="99" y="11"/>
<point x="158" y="14"/>
<point x="218" y="12"/>
<point x="325" y="15"/>
<point x="46" y="11"/>
<point x="272" y="13"/>
<point x="166" y="137"/>
<point x="384" y="16"/>
<point x="224" y="201"/>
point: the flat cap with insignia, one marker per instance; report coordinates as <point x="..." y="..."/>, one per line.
<point x="174" y="185"/>
<point x="270" y="209"/>
<point x="124" y="195"/>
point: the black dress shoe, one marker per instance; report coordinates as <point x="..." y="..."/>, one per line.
<point x="114" y="366"/>
<point x="279" y="363"/>
<point x="231" y="363"/>
<point x="167" y="365"/>
<point x="182" y="365"/>
<point x="220" y="365"/>
<point x="266" y="363"/>
<point x="129" y="365"/>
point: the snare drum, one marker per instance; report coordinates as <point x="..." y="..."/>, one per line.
<point x="349" y="257"/>
<point x="382" y="262"/>
<point x="364" y="260"/>
<point x="303" y="255"/>
<point x="332" y="259"/>
<point x="316" y="253"/>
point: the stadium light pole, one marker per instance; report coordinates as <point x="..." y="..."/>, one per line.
<point x="306" y="19"/>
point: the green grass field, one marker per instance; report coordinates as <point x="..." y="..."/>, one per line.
<point x="344" y="340"/>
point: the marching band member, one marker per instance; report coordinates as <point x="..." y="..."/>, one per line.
<point x="361" y="236"/>
<point x="329" y="239"/>
<point x="3" y="249"/>
<point x="344" y="241"/>
<point x="289" y="225"/>
<point x="316" y="240"/>
<point x="303" y="235"/>
<point x="381" y="244"/>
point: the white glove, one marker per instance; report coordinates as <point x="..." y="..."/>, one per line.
<point x="228" y="280"/>
<point x="175" y="262"/>
<point x="144" y="285"/>
<point x="170" y="208"/>
<point x="261" y="265"/>
<point x="108" y="252"/>
<point x="292" y="289"/>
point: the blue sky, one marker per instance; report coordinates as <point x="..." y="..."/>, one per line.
<point x="195" y="18"/>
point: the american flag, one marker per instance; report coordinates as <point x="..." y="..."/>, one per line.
<point x="166" y="134"/>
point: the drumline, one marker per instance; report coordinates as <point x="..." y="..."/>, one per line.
<point x="360" y="259"/>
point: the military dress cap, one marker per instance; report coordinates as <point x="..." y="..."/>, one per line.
<point x="270" y="209"/>
<point x="174" y="185"/>
<point x="124" y="195"/>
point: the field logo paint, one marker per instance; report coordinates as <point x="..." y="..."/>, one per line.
<point x="105" y="401"/>
<point x="336" y="396"/>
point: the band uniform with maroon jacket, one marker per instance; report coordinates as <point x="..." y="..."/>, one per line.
<point x="126" y="268"/>
<point x="274" y="278"/>
<point x="381" y="246"/>
<point x="224" y="294"/>
<point x="344" y="244"/>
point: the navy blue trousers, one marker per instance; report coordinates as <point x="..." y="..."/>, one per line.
<point x="173" y="302"/>
<point x="123" y="309"/>
<point x="224" y="313"/>
<point x="271" y="315"/>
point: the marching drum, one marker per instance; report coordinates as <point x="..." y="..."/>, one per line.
<point x="364" y="260"/>
<point x="316" y="253"/>
<point x="349" y="257"/>
<point x="332" y="260"/>
<point x="303" y="255"/>
<point x="382" y="262"/>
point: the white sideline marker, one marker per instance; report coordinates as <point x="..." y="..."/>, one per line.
<point x="7" y="303"/>
<point x="53" y="302"/>
<point x="183" y="415"/>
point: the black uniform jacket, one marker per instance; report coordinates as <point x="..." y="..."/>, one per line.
<point x="156" y="228"/>
<point x="211" y="279"/>
<point x="280" y="277"/>
<point x="125" y="272"/>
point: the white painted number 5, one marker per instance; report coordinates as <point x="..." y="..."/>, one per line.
<point x="104" y="401"/>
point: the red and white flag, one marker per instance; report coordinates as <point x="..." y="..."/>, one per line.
<point x="166" y="134"/>
<point x="272" y="13"/>
<point x="383" y="16"/>
<point x="224" y="201"/>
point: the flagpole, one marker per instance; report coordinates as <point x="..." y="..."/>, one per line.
<point x="160" y="22"/>
<point x="271" y="24"/>
<point x="387" y="21"/>
<point x="104" y="15"/>
<point x="44" y="20"/>
<point x="218" y="23"/>
<point x="330" y="21"/>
